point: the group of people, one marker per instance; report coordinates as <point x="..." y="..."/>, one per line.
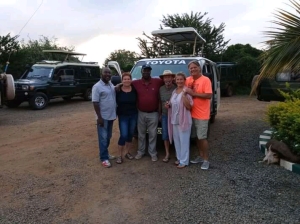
<point x="180" y="103"/>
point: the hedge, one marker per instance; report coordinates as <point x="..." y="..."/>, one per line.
<point x="284" y="118"/>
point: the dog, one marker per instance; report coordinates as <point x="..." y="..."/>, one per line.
<point x="277" y="150"/>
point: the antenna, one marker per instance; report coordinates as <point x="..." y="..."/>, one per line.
<point x="7" y="63"/>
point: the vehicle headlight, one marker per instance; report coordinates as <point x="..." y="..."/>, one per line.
<point x="25" y="87"/>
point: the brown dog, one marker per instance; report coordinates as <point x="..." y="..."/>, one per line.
<point x="276" y="150"/>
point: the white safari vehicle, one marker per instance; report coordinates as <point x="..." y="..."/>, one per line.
<point x="178" y="63"/>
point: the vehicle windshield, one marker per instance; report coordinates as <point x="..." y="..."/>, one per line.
<point x="38" y="72"/>
<point x="159" y="65"/>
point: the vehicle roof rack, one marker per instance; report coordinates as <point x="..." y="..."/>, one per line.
<point x="67" y="53"/>
<point x="176" y="56"/>
<point x="178" y="36"/>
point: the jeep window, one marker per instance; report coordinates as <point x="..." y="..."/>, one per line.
<point x="89" y="72"/>
<point x="158" y="67"/>
<point x="68" y="76"/>
<point x="37" y="72"/>
<point x="283" y="77"/>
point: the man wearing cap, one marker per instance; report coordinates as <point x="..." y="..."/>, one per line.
<point x="148" y="107"/>
<point x="165" y="93"/>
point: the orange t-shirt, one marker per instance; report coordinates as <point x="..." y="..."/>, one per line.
<point x="201" y="107"/>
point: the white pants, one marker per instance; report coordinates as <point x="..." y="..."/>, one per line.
<point x="182" y="144"/>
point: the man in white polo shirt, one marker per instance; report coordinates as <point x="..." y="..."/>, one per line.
<point x="104" y="101"/>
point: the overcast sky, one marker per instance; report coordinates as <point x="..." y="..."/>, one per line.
<point x="98" y="27"/>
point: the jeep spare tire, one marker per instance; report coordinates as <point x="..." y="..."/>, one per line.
<point x="39" y="101"/>
<point x="10" y="87"/>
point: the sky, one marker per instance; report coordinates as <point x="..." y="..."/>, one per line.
<point x="98" y="27"/>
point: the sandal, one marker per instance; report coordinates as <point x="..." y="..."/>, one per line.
<point x="181" y="166"/>
<point x="177" y="162"/>
<point x="119" y="160"/>
<point x="166" y="159"/>
<point x="129" y="156"/>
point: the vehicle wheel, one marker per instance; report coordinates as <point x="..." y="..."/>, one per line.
<point x="212" y="119"/>
<point x="229" y="91"/>
<point x="10" y="87"/>
<point x="88" y="95"/>
<point x="253" y="83"/>
<point x="39" y="101"/>
<point x="12" y="103"/>
<point x="67" y="98"/>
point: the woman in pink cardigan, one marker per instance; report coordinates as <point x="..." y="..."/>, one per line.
<point x="180" y="121"/>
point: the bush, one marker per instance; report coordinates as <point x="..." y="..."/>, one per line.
<point x="284" y="117"/>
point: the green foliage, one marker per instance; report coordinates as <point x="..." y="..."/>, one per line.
<point x="284" y="117"/>
<point x="247" y="58"/>
<point x="283" y="42"/>
<point x="126" y="59"/>
<point x="213" y="48"/>
<point x="30" y="52"/>
<point x="290" y="95"/>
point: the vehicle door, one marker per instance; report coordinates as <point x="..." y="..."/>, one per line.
<point x="217" y="84"/>
<point x="63" y="82"/>
<point x="208" y="71"/>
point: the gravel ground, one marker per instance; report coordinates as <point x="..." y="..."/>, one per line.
<point x="50" y="173"/>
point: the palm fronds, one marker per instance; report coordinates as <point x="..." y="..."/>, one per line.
<point x="283" y="52"/>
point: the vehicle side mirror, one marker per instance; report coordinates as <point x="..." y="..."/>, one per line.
<point x="115" y="80"/>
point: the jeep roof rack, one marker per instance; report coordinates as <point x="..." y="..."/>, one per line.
<point x="177" y="36"/>
<point x="67" y="53"/>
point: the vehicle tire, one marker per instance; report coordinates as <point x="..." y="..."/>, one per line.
<point x="67" y="98"/>
<point x="88" y="95"/>
<point x="253" y="83"/>
<point x="12" y="103"/>
<point x="10" y="87"/>
<point x="212" y="119"/>
<point x="229" y="91"/>
<point x="39" y="101"/>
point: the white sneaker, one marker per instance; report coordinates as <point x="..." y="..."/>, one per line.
<point x="106" y="164"/>
<point x="205" y="165"/>
<point x="198" y="159"/>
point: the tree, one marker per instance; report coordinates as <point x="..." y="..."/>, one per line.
<point x="247" y="59"/>
<point x="283" y="52"/>
<point x="125" y="58"/>
<point x="30" y="52"/>
<point x="215" y="42"/>
<point x="8" y="46"/>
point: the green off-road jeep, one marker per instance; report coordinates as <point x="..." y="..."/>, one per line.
<point x="47" y="80"/>
<point x="267" y="89"/>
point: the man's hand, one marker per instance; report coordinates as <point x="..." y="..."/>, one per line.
<point x="100" y="122"/>
<point x="118" y="87"/>
<point x="189" y="91"/>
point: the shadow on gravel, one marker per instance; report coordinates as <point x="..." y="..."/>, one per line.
<point x="58" y="107"/>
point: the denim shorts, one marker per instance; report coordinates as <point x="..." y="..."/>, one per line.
<point x="164" y="126"/>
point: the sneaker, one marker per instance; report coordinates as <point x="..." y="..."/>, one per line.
<point x="106" y="164"/>
<point x="198" y="159"/>
<point x="154" y="158"/>
<point x="205" y="165"/>
<point x="111" y="157"/>
<point x="138" y="156"/>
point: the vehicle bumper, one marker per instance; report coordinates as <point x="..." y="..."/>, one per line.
<point x="23" y="95"/>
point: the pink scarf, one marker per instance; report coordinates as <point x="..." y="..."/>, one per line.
<point x="184" y="123"/>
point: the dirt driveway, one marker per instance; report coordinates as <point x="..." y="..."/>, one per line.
<point x="50" y="172"/>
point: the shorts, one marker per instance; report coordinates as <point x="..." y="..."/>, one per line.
<point x="200" y="129"/>
<point x="164" y="127"/>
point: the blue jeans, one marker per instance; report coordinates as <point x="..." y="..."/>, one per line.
<point x="104" y="136"/>
<point x="164" y="127"/>
<point x="127" y="125"/>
